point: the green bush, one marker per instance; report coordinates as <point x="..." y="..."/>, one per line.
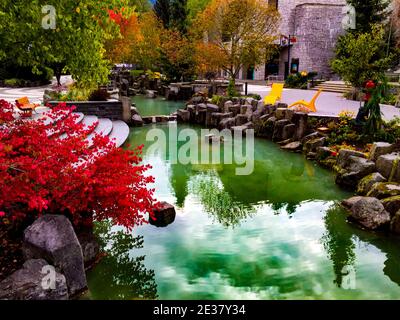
<point x="137" y="73"/>
<point x="299" y="80"/>
<point x="231" y="90"/>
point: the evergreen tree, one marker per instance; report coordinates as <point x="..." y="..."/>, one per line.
<point x="162" y="9"/>
<point x="369" y="12"/>
<point x="179" y="14"/>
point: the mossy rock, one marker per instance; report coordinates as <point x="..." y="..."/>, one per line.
<point x="382" y="190"/>
<point x="328" y="163"/>
<point x="366" y="183"/>
<point x="392" y="204"/>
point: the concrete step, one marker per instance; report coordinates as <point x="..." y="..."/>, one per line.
<point x="120" y="132"/>
<point x="104" y="128"/>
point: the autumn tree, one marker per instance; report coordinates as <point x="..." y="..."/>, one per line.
<point x="239" y="32"/>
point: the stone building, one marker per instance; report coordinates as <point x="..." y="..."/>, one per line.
<point x="314" y="26"/>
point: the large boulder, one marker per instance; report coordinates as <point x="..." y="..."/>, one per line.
<point x="90" y="247"/>
<point x="235" y="109"/>
<point x="183" y="115"/>
<point x="369" y="213"/>
<point x="382" y="190"/>
<point x="137" y="120"/>
<point x="345" y="154"/>
<point x="164" y="215"/>
<point x="34" y="281"/>
<point x="379" y="149"/>
<point x="280" y="113"/>
<point x="353" y="171"/>
<point x="241" y="119"/>
<point x="278" y="129"/>
<point x="288" y="131"/>
<point x="151" y="94"/>
<point x="366" y="183"/>
<point x="301" y="121"/>
<point x="349" y="203"/>
<point x="292" y="146"/>
<point x="311" y="145"/>
<point x="388" y="166"/>
<point x="226" y="123"/>
<point x="52" y="237"/>
<point x="392" y="204"/>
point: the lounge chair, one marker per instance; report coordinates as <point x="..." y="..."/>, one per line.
<point x="24" y="105"/>
<point x="275" y="94"/>
<point x="305" y="106"/>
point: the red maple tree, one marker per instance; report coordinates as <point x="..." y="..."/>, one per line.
<point x="47" y="166"/>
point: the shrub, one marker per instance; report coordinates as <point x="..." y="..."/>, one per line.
<point x="40" y="173"/>
<point x="299" y="80"/>
<point x="231" y="90"/>
<point x="99" y="95"/>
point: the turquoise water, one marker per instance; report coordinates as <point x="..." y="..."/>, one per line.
<point x="155" y="107"/>
<point x="275" y="234"/>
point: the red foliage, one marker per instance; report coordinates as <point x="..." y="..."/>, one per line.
<point x="48" y="167"/>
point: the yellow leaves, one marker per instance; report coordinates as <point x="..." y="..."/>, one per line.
<point x="78" y="10"/>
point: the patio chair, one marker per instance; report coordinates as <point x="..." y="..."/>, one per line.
<point x="23" y="104"/>
<point x="275" y="94"/>
<point x="305" y="106"/>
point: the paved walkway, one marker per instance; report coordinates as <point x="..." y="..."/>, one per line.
<point x="328" y="103"/>
<point x="34" y="94"/>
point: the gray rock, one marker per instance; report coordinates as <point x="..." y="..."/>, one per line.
<point x="366" y="183"/>
<point x="300" y="119"/>
<point x="241" y="119"/>
<point x="349" y="203"/>
<point x="370" y="213"/>
<point x="151" y="94"/>
<point x="391" y="204"/>
<point x="383" y="190"/>
<point x="388" y="166"/>
<point x="288" y="131"/>
<point x="282" y="105"/>
<point x="344" y="154"/>
<point x="227" y="105"/>
<point x="34" y="282"/>
<point x="183" y="115"/>
<point x="52" y="237"/>
<point x="280" y="113"/>
<point x="395" y="223"/>
<point x="164" y="215"/>
<point x="278" y="129"/>
<point x="243" y="129"/>
<point x="134" y="110"/>
<point x="293" y="146"/>
<point x="311" y="145"/>
<point x="90" y="247"/>
<point x="137" y="120"/>
<point x="289" y="114"/>
<point x="226" y="123"/>
<point x="323" y="153"/>
<point x="309" y="137"/>
<point x="354" y="170"/>
<point x="235" y="109"/>
<point x="380" y="149"/>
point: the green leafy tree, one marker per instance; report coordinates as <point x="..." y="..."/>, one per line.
<point x="369" y="12"/>
<point x="362" y="57"/>
<point x="75" y="44"/>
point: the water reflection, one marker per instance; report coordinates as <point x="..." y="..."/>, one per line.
<point x="338" y="243"/>
<point x="119" y="275"/>
<point x="218" y="202"/>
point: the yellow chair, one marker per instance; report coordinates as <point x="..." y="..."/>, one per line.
<point x="305" y="106"/>
<point x="275" y="94"/>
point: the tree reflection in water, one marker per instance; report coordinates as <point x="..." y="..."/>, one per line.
<point x="338" y="243"/>
<point x="219" y="203"/>
<point x="120" y="276"/>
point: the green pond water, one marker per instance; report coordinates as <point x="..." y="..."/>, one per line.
<point x="155" y="107"/>
<point x="275" y="234"/>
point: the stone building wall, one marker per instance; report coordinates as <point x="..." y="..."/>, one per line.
<point x="316" y="24"/>
<point x="317" y="27"/>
